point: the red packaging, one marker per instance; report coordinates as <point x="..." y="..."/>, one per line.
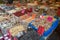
<point x="30" y="10"/>
<point x="17" y="14"/>
<point x="40" y="30"/>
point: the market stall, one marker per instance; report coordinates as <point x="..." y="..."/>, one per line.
<point x="29" y="21"/>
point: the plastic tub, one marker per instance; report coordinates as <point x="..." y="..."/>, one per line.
<point x="50" y="30"/>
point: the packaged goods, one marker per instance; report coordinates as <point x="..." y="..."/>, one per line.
<point x="16" y="29"/>
<point x="46" y="21"/>
<point x="31" y="35"/>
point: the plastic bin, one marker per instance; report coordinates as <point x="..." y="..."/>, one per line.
<point x="50" y="30"/>
<point x="53" y="27"/>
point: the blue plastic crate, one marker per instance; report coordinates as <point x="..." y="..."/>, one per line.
<point x="53" y="27"/>
<point x="49" y="31"/>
